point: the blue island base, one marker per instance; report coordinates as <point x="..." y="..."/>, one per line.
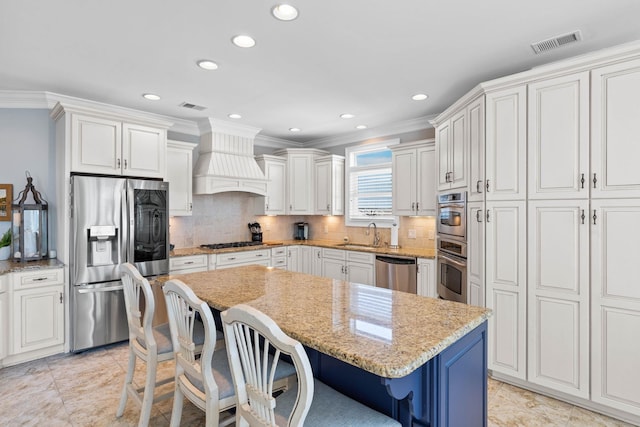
<point x="449" y="390"/>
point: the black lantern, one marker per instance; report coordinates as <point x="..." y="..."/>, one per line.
<point x="30" y="225"/>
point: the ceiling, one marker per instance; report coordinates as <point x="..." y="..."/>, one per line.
<point x="364" y="57"/>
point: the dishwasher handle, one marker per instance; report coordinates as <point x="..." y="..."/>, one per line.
<point x="396" y="260"/>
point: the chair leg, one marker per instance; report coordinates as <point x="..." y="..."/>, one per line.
<point x="178" y="402"/>
<point x="212" y="415"/>
<point x="149" y="389"/>
<point x="131" y="367"/>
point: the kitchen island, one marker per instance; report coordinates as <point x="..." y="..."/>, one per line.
<point x="420" y="360"/>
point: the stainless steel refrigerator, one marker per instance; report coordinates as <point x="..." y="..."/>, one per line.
<point x="114" y="220"/>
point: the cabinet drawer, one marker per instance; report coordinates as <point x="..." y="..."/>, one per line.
<point x="363" y="257"/>
<point x="188" y="262"/>
<point x="32" y="279"/>
<point x="333" y="253"/>
<point x="246" y="257"/>
<point x="279" y="262"/>
<point x="265" y="262"/>
<point x="278" y="252"/>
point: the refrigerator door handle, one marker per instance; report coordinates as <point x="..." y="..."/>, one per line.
<point x="94" y="290"/>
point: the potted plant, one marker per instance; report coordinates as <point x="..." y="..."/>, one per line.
<point x="5" y="243"/>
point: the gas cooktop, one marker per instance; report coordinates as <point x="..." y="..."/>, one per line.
<point x="230" y="245"/>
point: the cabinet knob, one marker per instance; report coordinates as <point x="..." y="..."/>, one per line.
<point x="190" y="207"/>
<point x="488" y="215"/>
<point x="595" y="180"/>
<point x="582" y="181"/>
<point x="413" y="206"/>
<point x="125" y="163"/>
<point x="417" y="206"/>
<point x="118" y="163"/>
<point x="487" y="186"/>
<point x="478" y="186"/>
<point x="328" y="207"/>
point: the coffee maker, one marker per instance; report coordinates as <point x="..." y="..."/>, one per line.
<point x="301" y="231"/>
<point x="256" y="231"/>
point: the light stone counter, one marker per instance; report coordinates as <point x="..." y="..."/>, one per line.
<point x="408" y="252"/>
<point x="14" y="266"/>
<point x="385" y="332"/>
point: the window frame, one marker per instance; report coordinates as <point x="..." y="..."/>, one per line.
<point x="382" y="222"/>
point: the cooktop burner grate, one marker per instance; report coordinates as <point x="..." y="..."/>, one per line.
<point x="230" y="245"/>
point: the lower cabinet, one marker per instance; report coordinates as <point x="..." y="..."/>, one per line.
<point x="426" y="277"/>
<point x="506" y="287"/>
<point x="352" y="266"/>
<point x="615" y="304"/>
<point x="558" y="295"/>
<point x="237" y="259"/>
<point x="4" y="315"/>
<point x="293" y="259"/>
<point x="475" y="253"/>
<point x="188" y="264"/>
<point x="279" y="257"/>
<point x="37" y="305"/>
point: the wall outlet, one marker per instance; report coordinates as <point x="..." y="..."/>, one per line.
<point x="431" y="235"/>
<point x="326" y="229"/>
<point x="412" y="234"/>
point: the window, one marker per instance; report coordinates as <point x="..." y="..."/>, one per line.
<point x="368" y="184"/>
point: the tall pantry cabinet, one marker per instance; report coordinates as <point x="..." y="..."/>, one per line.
<point x="559" y="208"/>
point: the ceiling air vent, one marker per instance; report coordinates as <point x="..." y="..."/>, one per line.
<point x="192" y="106"/>
<point x="557" y="41"/>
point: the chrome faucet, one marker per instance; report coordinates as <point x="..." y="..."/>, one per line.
<point x="376" y="235"/>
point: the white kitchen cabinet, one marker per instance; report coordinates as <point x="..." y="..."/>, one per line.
<point x="316" y="263"/>
<point x="180" y="177"/>
<point x="237" y="259"/>
<point x="452" y="152"/>
<point x="352" y="266"/>
<point x="329" y="185"/>
<point x="506" y="144"/>
<point x="475" y="253"/>
<point x="37" y="305"/>
<point x="279" y="257"/>
<point x="426" y="277"/>
<point x="506" y="286"/>
<point x="115" y="147"/>
<point x="558" y="137"/>
<point x="558" y="295"/>
<point x="188" y="264"/>
<point x="414" y="179"/>
<point x="615" y="108"/>
<point x="293" y="259"/>
<point x="615" y="303"/>
<point x="476" y="134"/>
<point x="4" y="315"/>
<point x="275" y="170"/>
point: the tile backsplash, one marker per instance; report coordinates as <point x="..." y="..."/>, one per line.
<point x="224" y="217"/>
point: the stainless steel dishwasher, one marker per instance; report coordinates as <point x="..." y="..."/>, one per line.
<point x="397" y="273"/>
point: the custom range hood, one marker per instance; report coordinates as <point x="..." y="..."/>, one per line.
<point x="226" y="160"/>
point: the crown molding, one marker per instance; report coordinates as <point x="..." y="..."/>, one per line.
<point x="272" y="142"/>
<point x="410" y="125"/>
<point x="211" y="125"/>
<point x="23" y="99"/>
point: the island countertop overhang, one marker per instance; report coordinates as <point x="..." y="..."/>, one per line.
<point x="388" y="333"/>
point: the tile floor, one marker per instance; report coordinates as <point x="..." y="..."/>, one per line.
<point x="84" y="390"/>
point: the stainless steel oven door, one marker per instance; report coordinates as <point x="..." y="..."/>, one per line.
<point x="452" y="277"/>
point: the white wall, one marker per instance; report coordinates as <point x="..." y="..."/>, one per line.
<point x="27" y="142"/>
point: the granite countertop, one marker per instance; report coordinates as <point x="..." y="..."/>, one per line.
<point x="14" y="266"/>
<point x="388" y="333"/>
<point x="407" y="252"/>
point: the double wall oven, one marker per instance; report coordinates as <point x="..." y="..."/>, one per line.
<point x="452" y="246"/>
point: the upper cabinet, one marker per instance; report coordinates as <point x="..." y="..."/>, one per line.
<point x="300" y="189"/>
<point x="414" y="178"/>
<point x="452" y="152"/>
<point x="506" y="144"/>
<point x="329" y="185"/>
<point x="110" y="143"/>
<point x="475" y="132"/>
<point x="275" y="170"/>
<point x="105" y="146"/>
<point x="558" y="116"/>
<point x="179" y="171"/>
<point x="615" y="110"/>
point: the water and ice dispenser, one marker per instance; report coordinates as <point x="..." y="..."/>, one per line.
<point x="103" y="246"/>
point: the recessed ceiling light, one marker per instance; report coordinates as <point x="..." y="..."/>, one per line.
<point x="285" y="12"/>
<point x="294" y="129"/>
<point x="243" y="41"/>
<point x="235" y="116"/>
<point x="419" y="97"/>
<point x="207" y="64"/>
<point x="151" y="96"/>
<point x="347" y="116"/>
<point x="361" y="127"/>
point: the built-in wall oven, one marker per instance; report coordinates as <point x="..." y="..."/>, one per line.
<point x="452" y="247"/>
